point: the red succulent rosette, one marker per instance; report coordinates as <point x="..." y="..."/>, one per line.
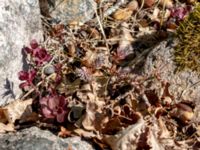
<point x="54" y="106"/>
<point x="39" y="55"/>
<point x="28" y="77"/>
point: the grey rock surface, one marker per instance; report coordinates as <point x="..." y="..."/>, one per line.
<point x="184" y="85"/>
<point x="19" y="23"/>
<point x="69" y="11"/>
<point x="36" y="139"/>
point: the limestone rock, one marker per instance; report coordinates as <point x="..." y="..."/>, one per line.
<point x="69" y="11"/>
<point x="19" y="23"/>
<point x="184" y="85"/>
<point x="36" y="139"/>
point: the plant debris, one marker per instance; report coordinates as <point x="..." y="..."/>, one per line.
<point x="84" y="80"/>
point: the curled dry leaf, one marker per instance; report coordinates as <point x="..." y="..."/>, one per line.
<point x="123" y="14"/>
<point x="89" y="58"/>
<point x="17" y="109"/>
<point x="64" y="132"/>
<point x="127" y="138"/>
<point x="75" y="113"/>
<point x="71" y="48"/>
<point x="191" y="1"/>
<point x="153" y="135"/>
<point x="147" y="3"/>
<point x="113" y="125"/>
<point x="133" y="5"/>
<point x="166" y="3"/>
<point x="165" y="91"/>
<point x="163" y="139"/>
<point x="57" y="31"/>
<point x="167" y="101"/>
<point x="126" y="13"/>
<point x="3" y="115"/>
<point x="6" y="127"/>
<point x="155" y="15"/>
<point x="152" y="97"/>
<point x="198" y="130"/>
<point x="120" y="118"/>
<point x="94" y="119"/>
<point x="126" y="37"/>
<point x="94" y="33"/>
<point x="125" y="47"/>
<point x="84" y="133"/>
<point x="183" y="112"/>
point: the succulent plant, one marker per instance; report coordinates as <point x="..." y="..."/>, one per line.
<point x="179" y="13"/>
<point x="187" y="51"/>
<point x="54" y="106"/>
<point x="28" y="77"/>
<point x="39" y="54"/>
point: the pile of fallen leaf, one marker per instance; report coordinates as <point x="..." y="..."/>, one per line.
<point x="85" y="80"/>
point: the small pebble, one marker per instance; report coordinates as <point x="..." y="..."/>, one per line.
<point x="49" y="70"/>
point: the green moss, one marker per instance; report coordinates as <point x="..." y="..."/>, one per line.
<point x="187" y="51"/>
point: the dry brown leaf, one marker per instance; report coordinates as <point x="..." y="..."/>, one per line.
<point x="133" y="5"/>
<point x="84" y="133"/>
<point x="29" y="116"/>
<point x="92" y="119"/>
<point x="100" y="143"/>
<point x="94" y="33"/>
<point x="94" y="106"/>
<point x="183" y="112"/>
<point x="171" y="26"/>
<point x="126" y="37"/>
<point x="166" y="101"/>
<point x="165" y="93"/>
<point x="144" y="23"/>
<point x="152" y="97"/>
<point x="6" y="127"/>
<point x="152" y="135"/>
<point x="16" y="109"/>
<point x="191" y="1"/>
<point x="114" y="124"/>
<point x="155" y="15"/>
<point x="126" y="13"/>
<point x="3" y="115"/>
<point x="125" y="47"/>
<point x="57" y="30"/>
<point x="159" y="137"/>
<point x="123" y="14"/>
<point x="126" y="139"/>
<point x="147" y="3"/>
<point x="89" y="58"/>
<point x="166" y="3"/>
<point x="13" y="111"/>
<point x="64" y="132"/>
<point x="71" y="48"/>
<point x="89" y="118"/>
<point x="198" y="130"/>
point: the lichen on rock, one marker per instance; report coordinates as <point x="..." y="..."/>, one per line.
<point x="73" y="11"/>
